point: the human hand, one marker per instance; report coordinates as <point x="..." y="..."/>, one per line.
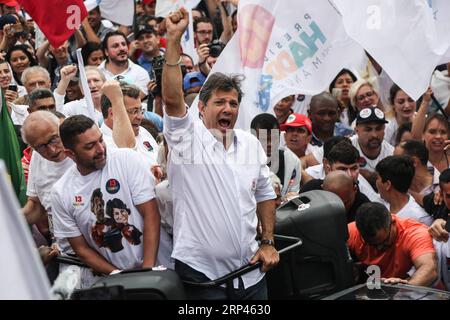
<point x="203" y="53"/>
<point x="268" y="255"/>
<point x="437" y="230"/>
<point x="394" y="280"/>
<point x="7" y="31"/>
<point x="176" y="23"/>
<point x="437" y="199"/>
<point x="151" y="86"/>
<point x="427" y="95"/>
<point x="10" y="95"/>
<point x="157" y="172"/>
<point x="47" y="254"/>
<point x="111" y="89"/>
<point x="68" y="72"/>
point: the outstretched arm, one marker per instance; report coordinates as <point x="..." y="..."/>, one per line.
<point x="172" y="79"/>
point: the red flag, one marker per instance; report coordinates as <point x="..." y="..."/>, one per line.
<point x="58" y="19"/>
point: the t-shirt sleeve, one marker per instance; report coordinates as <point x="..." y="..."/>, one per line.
<point x="264" y="190"/>
<point x="142" y="79"/>
<point x="140" y="179"/>
<point x="419" y="242"/>
<point x="64" y="224"/>
<point x="352" y="236"/>
<point x="31" y="186"/>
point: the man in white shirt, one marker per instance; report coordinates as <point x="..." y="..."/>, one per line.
<point x="369" y="140"/>
<point x="395" y="174"/>
<point x="115" y="46"/>
<point x="220" y="183"/>
<point x="105" y="204"/>
<point x="127" y="96"/>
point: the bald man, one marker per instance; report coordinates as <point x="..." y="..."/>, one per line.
<point x="324" y="113"/>
<point x="48" y="164"/>
<point x="342" y="184"/>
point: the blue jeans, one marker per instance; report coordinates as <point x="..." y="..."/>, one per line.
<point x="255" y="292"/>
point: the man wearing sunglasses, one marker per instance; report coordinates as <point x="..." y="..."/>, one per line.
<point x="393" y="244"/>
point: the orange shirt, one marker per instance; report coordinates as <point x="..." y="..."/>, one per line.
<point x="412" y="241"/>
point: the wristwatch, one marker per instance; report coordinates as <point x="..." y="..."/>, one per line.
<point x="267" y="242"/>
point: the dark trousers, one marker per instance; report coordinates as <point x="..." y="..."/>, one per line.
<point x="255" y="292"/>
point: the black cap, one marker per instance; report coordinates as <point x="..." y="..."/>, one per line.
<point x="371" y="114"/>
<point x="144" y="29"/>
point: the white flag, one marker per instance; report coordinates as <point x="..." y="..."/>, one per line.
<point x="118" y="11"/>
<point x="285" y="50"/>
<point x="441" y="15"/>
<point x="165" y="7"/>
<point x="401" y="35"/>
<point x="23" y="275"/>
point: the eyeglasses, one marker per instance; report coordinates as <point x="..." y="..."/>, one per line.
<point x="47" y="108"/>
<point x="205" y="32"/>
<point x="136" y="111"/>
<point x="385" y="243"/>
<point x="42" y="147"/>
<point x="368" y="94"/>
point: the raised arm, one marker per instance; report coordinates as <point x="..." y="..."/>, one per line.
<point x="172" y="79"/>
<point x="419" y="120"/>
<point x="123" y="134"/>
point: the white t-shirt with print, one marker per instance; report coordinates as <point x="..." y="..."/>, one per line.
<point x="146" y="145"/>
<point x="386" y="151"/>
<point x="124" y="183"/>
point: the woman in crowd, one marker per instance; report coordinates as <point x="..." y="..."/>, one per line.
<point x="340" y="88"/>
<point x="20" y="58"/>
<point x="362" y="95"/>
<point x="92" y="54"/>
<point x="404" y="108"/>
<point x="434" y="131"/>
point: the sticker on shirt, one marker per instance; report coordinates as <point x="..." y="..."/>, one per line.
<point x="253" y="189"/>
<point x="362" y="162"/>
<point x="78" y="201"/>
<point x="112" y="186"/>
<point x="112" y="224"/>
<point x="148" y="146"/>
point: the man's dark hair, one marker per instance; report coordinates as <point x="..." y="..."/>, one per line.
<point x="109" y="35"/>
<point x="404" y="127"/>
<point x="72" y="127"/>
<point x="343" y="152"/>
<point x="129" y="90"/>
<point x="60" y="115"/>
<point x="202" y="20"/>
<point x="221" y="82"/>
<point x="38" y="94"/>
<point x="399" y="170"/>
<point x="371" y="217"/>
<point x="331" y="142"/>
<point x="265" y="121"/>
<point x="444" y="177"/>
<point x="414" y="148"/>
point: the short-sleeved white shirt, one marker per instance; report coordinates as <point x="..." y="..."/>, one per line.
<point x="135" y="74"/>
<point x="412" y="210"/>
<point x="215" y="192"/>
<point x="146" y="145"/>
<point x="386" y="151"/>
<point x="124" y="183"/>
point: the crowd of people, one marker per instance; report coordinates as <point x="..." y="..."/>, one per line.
<point x="140" y="181"/>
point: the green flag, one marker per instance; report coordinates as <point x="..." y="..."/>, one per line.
<point x="10" y="153"/>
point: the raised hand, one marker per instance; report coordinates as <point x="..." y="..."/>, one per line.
<point x="176" y="23"/>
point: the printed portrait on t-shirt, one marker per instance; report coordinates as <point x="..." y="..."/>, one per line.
<point x="118" y="213"/>
<point x="102" y="223"/>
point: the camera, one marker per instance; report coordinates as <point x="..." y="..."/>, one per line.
<point x="157" y="69"/>
<point x="215" y="48"/>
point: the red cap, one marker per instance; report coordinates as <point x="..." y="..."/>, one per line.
<point x="148" y="1"/>
<point x="297" y="120"/>
<point x="10" y="3"/>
